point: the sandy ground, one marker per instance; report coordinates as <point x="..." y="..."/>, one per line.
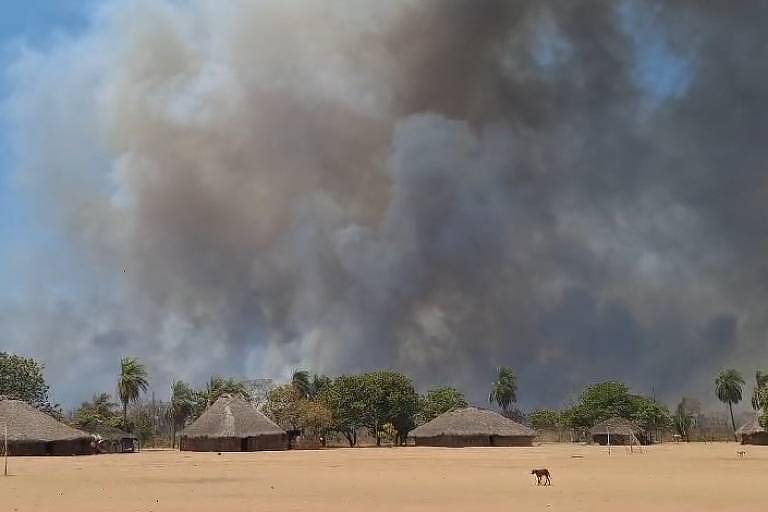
<point x="671" y="477"/>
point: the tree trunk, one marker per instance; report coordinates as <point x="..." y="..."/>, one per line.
<point x="125" y="416"/>
<point x="173" y="434"/>
<point x="733" y="422"/>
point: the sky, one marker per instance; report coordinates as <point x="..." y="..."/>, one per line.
<point x="428" y="186"/>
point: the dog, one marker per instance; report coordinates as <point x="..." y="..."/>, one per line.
<point x="741" y="453"/>
<point x="541" y="475"/>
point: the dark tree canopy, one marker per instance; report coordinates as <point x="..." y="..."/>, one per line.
<point x="21" y="378"/>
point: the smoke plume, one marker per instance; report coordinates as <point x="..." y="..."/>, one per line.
<point x="573" y="189"/>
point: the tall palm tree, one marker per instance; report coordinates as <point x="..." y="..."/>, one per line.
<point x="504" y="389"/>
<point x="181" y="407"/>
<point x="761" y="381"/>
<point x="728" y="390"/>
<point x="132" y="382"/>
<point x="301" y="383"/>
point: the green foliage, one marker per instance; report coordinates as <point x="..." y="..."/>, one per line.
<point x="300" y="383"/>
<point x="763" y="398"/>
<point x="683" y="421"/>
<point x="650" y="414"/>
<point x="345" y="398"/>
<point x="545" y="418"/>
<point x="101" y="410"/>
<point x="441" y="400"/>
<point x="218" y="386"/>
<point x="761" y="382"/>
<point x="22" y="379"/>
<point x="143" y="426"/>
<point x="389" y="397"/>
<point x="599" y="402"/>
<point x="728" y="388"/>
<point x="283" y="406"/>
<point x="504" y="389"/>
<point x="131" y="383"/>
<point x="183" y="406"/>
<point x="315" y="417"/>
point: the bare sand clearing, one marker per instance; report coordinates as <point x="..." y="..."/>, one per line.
<point x="670" y="477"/>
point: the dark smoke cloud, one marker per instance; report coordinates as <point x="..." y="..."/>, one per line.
<point x="574" y="189"/>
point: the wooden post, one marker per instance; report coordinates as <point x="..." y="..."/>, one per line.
<point x="608" y="429"/>
<point x="5" y="451"/>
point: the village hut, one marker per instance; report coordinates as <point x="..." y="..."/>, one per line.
<point x="110" y="439"/>
<point x="472" y="426"/>
<point x="752" y="432"/>
<point x="621" y="431"/>
<point x="31" y="432"/>
<point x="232" y="424"/>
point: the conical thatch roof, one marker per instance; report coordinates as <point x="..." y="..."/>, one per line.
<point x="615" y="426"/>
<point x="472" y="421"/>
<point x="232" y="417"/>
<point x="25" y="423"/>
<point x="751" y="427"/>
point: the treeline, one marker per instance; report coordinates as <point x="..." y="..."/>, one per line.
<point x="386" y="404"/>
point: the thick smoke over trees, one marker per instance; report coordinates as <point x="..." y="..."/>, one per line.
<point x="574" y="189"/>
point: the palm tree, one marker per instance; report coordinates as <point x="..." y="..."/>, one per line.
<point x="728" y="390"/>
<point x="504" y="389"/>
<point x="218" y="386"/>
<point x="132" y="382"/>
<point x="301" y="383"/>
<point x="181" y="407"/>
<point x="761" y="381"/>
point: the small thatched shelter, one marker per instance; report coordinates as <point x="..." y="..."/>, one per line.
<point x="752" y="432"/>
<point x="472" y="426"/>
<point x="620" y="430"/>
<point x="31" y="432"/>
<point x="111" y="439"/>
<point x="233" y="425"/>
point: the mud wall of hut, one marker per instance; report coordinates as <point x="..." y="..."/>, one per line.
<point x="759" y="438"/>
<point x="234" y="444"/>
<point x="42" y="448"/>
<point x="616" y="439"/>
<point x="511" y="441"/>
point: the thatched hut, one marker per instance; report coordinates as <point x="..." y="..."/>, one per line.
<point x="111" y="439"/>
<point x="233" y="425"/>
<point x="31" y="432"/>
<point x="752" y="432"/>
<point x="620" y="430"/>
<point x="472" y="426"/>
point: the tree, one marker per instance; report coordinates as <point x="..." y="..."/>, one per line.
<point x="728" y="386"/>
<point x="283" y="406"/>
<point x="300" y="383"/>
<point x="316" y="419"/>
<point x="345" y="398"/>
<point x="544" y="418"/>
<point x="650" y="414"/>
<point x="131" y="383"/>
<point x="218" y="386"/>
<point x="22" y="379"/>
<point x="761" y="381"/>
<point x="440" y="400"/>
<point x="684" y="420"/>
<point x="504" y="389"/>
<point x="181" y="407"/>
<point x="389" y="397"/>
<point x="100" y="411"/>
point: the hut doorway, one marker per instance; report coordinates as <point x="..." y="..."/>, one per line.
<point x="244" y="444"/>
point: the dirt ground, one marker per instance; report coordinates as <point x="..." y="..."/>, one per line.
<point x="669" y="477"/>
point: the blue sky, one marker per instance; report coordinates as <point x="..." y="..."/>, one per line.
<point x="36" y="24"/>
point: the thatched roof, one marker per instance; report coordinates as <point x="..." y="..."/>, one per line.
<point x="25" y="423"/>
<point x="615" y="426"/>
<point x="232" y="416"/>
<point x="751" y="427"/>
<point x="106" y="431"/>
<point x="472" y="421"/>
